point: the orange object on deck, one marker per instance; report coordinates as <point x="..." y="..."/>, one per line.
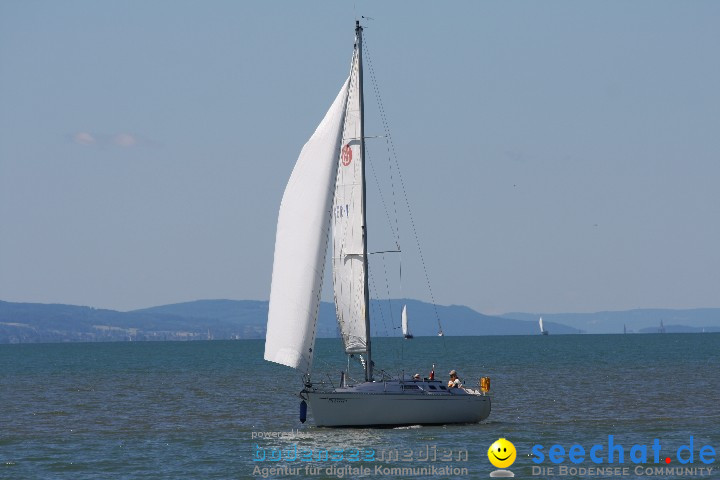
<point x="485" y="384"/>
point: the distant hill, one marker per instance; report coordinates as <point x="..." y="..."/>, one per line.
<point x="232" y="319"/>
<point x="251" y="315"/>
<point x="33" y="322"/>
<point x="235" y="319"/>
<point x="456" y="320"/>
<point x="635" y="321"/>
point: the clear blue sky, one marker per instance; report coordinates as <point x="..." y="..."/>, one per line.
<point x="559" y="156"/>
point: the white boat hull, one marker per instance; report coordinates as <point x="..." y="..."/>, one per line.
<point x="387" y="403"/>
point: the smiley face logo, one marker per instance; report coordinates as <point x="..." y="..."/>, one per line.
<point x="502" y="453"/>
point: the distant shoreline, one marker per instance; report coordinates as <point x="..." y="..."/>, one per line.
<point x="245" y="319"/>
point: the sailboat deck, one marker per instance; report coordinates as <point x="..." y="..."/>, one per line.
<point x="406" y="387"/>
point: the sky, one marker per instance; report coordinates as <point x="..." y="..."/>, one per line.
<point x="557" y="156"/>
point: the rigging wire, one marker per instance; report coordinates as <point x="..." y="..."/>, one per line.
<point x="387" y="288"/>
<point x="378" y="307"/>
<point x="393" y="157"/>
<point x="395" y="238"/>
<point x="395" y="234"/>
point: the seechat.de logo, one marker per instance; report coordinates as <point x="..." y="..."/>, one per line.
<point x="612" y="459"/>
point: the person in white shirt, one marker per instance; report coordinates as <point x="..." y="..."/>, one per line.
<point x="454" y="380"/>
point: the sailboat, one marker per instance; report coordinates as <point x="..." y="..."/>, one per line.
<point x="405" y="329"/>
<point x="542" y="330"/>
<point x="327" y="187"/>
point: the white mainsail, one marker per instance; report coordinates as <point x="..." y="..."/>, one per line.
<point x="348" y="223"/>
<point x="301" y="244"/>
<point x="541" y="326"/>
<point x="405" y="329"/>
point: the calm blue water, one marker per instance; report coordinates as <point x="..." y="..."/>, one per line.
<point x="189" y="410"/>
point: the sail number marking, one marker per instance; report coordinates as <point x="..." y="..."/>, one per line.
<point x="342" y="211"/>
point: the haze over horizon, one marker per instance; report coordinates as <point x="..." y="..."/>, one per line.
<point x="558" y="157"/>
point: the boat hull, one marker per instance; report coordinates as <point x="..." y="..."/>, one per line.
<point x="354" y="407"/>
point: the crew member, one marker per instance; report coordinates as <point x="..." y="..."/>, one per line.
<point x="454" y="380"/>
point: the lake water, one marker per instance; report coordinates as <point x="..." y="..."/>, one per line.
<point x="204" y="409"/>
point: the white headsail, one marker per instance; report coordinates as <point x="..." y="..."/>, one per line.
<point x="301" y="244"/>
<point x="348" y="224"/>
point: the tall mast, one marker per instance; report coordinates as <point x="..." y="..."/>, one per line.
<point x="358" y="41"/>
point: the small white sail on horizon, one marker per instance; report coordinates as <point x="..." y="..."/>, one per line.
<point x="405" y="328"/>
<point x="542" y="329"/>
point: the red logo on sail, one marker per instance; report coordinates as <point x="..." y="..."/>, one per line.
<point x="346" y="155"/>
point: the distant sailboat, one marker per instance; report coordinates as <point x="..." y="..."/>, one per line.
<point x="542" y="330"/>
<point x="405" y="329"/>
<point x="662" y="327"/>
